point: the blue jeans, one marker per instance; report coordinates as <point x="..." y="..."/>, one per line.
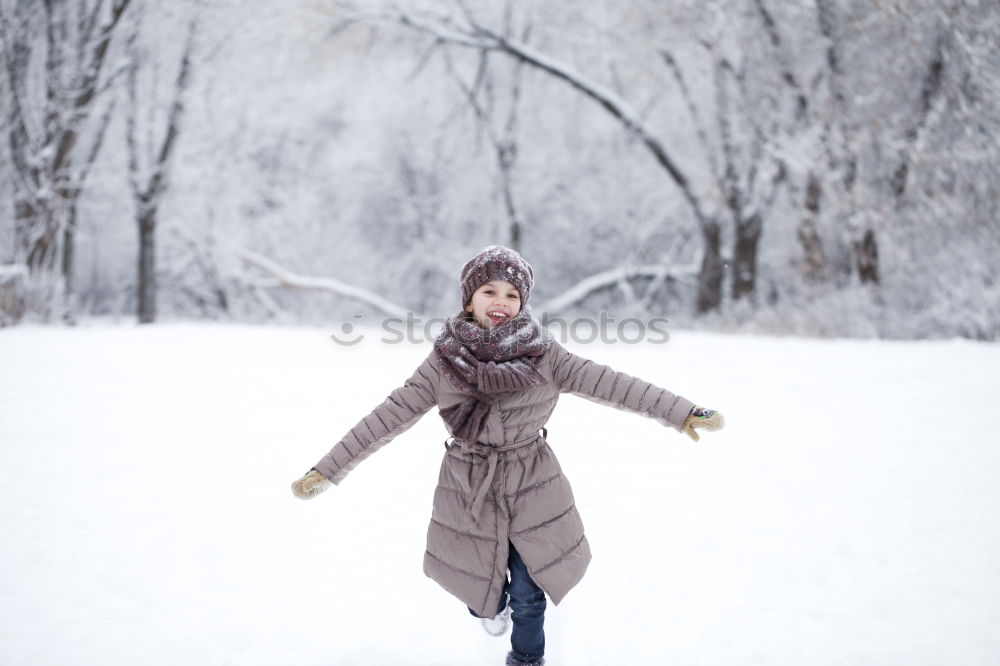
<point x="527" y="603"/>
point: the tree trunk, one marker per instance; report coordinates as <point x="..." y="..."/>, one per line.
<point x="866" y="257"/>
<point x="147" y="267"/>
<point x="808" y="233"/>
<point x="68" y="257"/>
<point x="147" y="195"/>
<point x="744" y="280"/>
<point x="43" y="247"/>
<point x="710" y="275"/>
<point x="506" y="154"/>
<point x="515" y="236"/>
<point x="24" y="217"/>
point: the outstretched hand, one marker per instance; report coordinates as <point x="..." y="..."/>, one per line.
<point x="702" y="418"/>
<point x="310" y="485"/>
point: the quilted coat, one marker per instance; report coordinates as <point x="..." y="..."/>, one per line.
<point x="508" y="486"/>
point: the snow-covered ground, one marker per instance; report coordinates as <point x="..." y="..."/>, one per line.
<point x="848" y="514"/>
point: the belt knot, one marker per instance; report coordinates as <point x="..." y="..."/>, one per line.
<point x="492" y="455"/>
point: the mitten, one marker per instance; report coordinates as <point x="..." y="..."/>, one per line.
<point x="310" y="485"/>
<point x="709" y="419"/>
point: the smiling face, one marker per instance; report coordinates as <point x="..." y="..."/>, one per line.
<point x="494" y="303"/>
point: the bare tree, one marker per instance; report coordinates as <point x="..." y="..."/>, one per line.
<point x="53" y="58"/>
<point x="501" y="129"/>
<point x="473" y="34"/>
<point x="149" y="162"/>
<point x="838" y="143"/>
<point x="748" y="176"/>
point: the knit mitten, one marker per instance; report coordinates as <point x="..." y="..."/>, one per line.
<point x="707" y="419"/>
<point x="310" y="485"/>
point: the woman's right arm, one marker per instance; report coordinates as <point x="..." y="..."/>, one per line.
<point x="395" y="415"/>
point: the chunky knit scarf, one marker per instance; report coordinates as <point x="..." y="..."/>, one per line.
<point x="485" y="363"/>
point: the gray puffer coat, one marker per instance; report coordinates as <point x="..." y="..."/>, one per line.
<point x="508" y="485"/>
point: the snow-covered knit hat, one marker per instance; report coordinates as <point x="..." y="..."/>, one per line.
<point x="497" y="262"/>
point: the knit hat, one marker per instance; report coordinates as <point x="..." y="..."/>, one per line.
<point x="497" y="262"/>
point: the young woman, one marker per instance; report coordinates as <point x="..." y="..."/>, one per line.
<point x="502" y="506"/>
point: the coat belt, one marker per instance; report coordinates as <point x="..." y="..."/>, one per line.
<point x="492" y="455"/>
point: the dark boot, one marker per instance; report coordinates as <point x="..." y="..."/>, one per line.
<point x="511" y="661"/>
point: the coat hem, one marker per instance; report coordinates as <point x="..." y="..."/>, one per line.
<point x="561" y="557"/>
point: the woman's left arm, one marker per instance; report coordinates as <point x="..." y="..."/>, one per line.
<point x="607" y="386"/>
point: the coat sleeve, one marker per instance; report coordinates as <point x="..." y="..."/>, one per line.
<point x="606" y="386"/>
<point x="400" y="410"/>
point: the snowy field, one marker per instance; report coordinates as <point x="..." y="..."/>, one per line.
<point x="848" y="515"/>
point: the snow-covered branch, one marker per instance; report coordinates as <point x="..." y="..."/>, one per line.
<point x="479" y="37"/>
<point x="612" y="277"/>
<point x="289" y="279"/>
<point x="11" y="271"/>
